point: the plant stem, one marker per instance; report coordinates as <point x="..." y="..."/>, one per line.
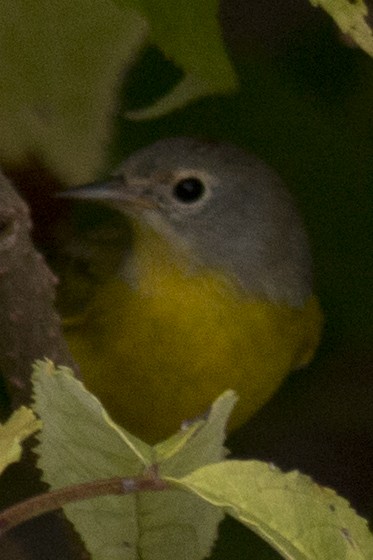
<point x="55" y="499"/>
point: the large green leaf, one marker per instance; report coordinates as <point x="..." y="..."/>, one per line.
<point x="61" y="64"/>
<point x="298" y="518"/>
<point x="79" y="443"/>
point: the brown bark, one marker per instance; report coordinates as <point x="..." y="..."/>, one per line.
<point x="30" y="329"/>
<point x="29" y="325"/>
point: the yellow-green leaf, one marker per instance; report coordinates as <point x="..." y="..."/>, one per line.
<point x="22" y="424"/>
<point x="191" y="87"/>
<point x="350" y="16"/>
<point x="298" y="518"/>
<point x="61" y="64"/>
<point x="63" y="61"/>
<point x="79" y="443"/>
<point x="188" y="32"/>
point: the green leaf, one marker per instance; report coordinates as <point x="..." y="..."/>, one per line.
<point x="298" y="518"/>
<point x="200" y="444"/>
<point x="63" y="61"/>
<point x="61" y="64"/>
<point x="188" y="89"/>
<point x="350" y="18"/>
<point x="188" y="32"/>
<point x="22" y="424"/>
<point x="79" y="443"/>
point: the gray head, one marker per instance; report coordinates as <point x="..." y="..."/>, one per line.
<point x="227" y="207"/>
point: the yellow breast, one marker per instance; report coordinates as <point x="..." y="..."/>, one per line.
<point x="159" y="352"/>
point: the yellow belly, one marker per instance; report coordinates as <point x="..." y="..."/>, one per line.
<point x="159" y="353"/>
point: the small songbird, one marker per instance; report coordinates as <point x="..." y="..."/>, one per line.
<point x="215" y="293"/>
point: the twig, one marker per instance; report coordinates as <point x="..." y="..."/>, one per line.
<point x="56" y="499"/>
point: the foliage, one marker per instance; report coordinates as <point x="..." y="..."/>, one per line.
<point x="351" y="19"/>
<point x="59" y="89"/>
<point x="80" y="443"/>
<point x="21" y="425"/>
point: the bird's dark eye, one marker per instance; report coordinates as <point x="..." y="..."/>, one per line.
<point x="189" y="190"/>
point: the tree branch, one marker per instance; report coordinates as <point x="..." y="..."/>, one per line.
<point x="29" y="325"/>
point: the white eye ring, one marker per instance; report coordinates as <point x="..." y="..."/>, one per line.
<point x="190" y="189"/>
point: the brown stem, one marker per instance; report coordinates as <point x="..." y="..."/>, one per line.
<point x="55" y="499"/>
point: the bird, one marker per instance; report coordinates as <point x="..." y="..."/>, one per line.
<point x="215" y="291"/>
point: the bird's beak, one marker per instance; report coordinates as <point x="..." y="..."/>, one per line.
<point x="112" y="192"/>
<point x="100" y="191"/>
